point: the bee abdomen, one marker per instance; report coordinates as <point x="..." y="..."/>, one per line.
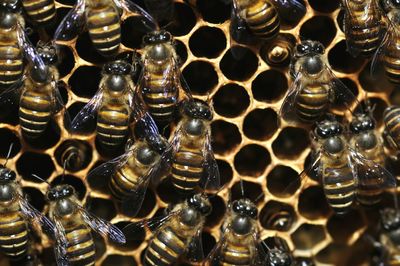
<point x="339" y="187"/>
<point x="263" y="19"/>
<point x="123" y="182"/>
<point x="105" y="30"/>
<point x="11" y="65"/>
<point x="165" y="248"/>
<point x="34" y="114"/>
<point x="13" y="235"/>
<point x="236" y="255"/>
<point x="391" y="62"/>
<point x="311" y="103"/>
<point x="80" y="249"/>
<point x="112" y="126"/>
<point x="41" y="11"/>
<point x="392" y="124"/>
<point x="187" y="170"/>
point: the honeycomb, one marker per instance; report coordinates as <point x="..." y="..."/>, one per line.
<point x="249" y="141"/>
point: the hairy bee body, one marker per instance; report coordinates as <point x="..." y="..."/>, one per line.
<point x="41" y="11"/>
<point x="391" y="119"/>
<point x="392" y="48"/>
<point x="261" y="17"/>
<point x="240" y="250"/>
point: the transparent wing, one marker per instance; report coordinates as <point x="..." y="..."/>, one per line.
<point x="72" y="24"/>
<point x="180" y="79"/>
<point x="59" y="105"/>
<point x="102" y="227"/>
<point x="88" y="112"/>
<point x="387" y="41"/>
<point x="211" y="177"/>
<point x="29" y="50"/>
<point x="195" y="251"/>
<point x="288" y="111"/>
<point x="213" y="259"/>
<point x="60" y="248"/>
<point x="131" y="8"/>
<point x="12" y="94"/>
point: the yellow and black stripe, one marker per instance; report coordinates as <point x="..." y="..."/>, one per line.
<point x="390" y="59"/>
<point x="13" y="234"/>
<point x="187" y="169"/>
<point x="104" y="29"/>
<point x="81" y="248"/>
<point x="311" y="102"/>
<point x="236" y="255"/>
<point x="40" y="11"/>
<point x="123" y="182"/>
<point x="11" y="64"/>
<point x="392" y="124"/>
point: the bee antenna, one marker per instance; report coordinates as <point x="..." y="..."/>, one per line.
<point x="41" y="179"/>
<point x="63" y="173"/>
<point x="265" y="245"/>
<point x="8" y="154"/>
<point x="258" y="197"/>
<point x="242" y="187"/>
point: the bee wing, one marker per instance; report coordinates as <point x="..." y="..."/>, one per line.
<point x="287" y="111"/>
<point x="195" y="251"/>
<point x="391" y="34"/>
<point x="60" y="248"/>
<point x="131" y="8"/>
<point x="29" y="50"/>
<point x="88" y="112"/>
<point x="211" y="177"/>
<point x="59" y="105"/>
<point x="214" y="256"/>
<point x="72" y="24"/>
<point x="180" y="79"/>
<point x="11" y="95"/>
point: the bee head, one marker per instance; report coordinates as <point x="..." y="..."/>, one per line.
<point x="157" y="37"/>
<point x="48" y="53"/>
<point x="390" y="219"/>
<point x="13" y="6"/>
<point x="361" y="123"/>
<point x="245" y="207"/>
<point x="196" y="108"/>
<point x="8" y="19"/>
<point x="6" y="175"/>
<point x="278" y="257"/>
<point x="119" y="67"/>
<point x="200" y="203"/>
<point x="395" y="3"/>
<point x="60" y="192"/>
<point x="311" y="52"/>
<point x="327" y="129"/>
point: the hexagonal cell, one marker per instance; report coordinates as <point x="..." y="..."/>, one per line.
<point x="85" y="81"/>
<point x="225" y="171"/>
<point x="252" y="191"/>
<point x="252" y="160"/>
<point x="98" y="183"/>
<point x="67" y="61"/>
<point x="312" y="28"/>
<point x="279" y="51"/>
<point x="325" y="6"/>
<point x="167" y="193"/>
<point x="35" y="197"/>
<point x="47" y="139"/>
<point x="149" y="203"/>
<point x="113" y="260"/>
<point x="291" y="142"/>
<point x="201" y="77"/>
<point x="218" y="211"/>
<point x="100" y="245"/>
<point x="226" y="136"/>
<point x="207" y="42"/>
<point x="86" y="50"/>
<point x="102" y="208"/>
<point x="208" y="242"/>
<point x="336" y="254"/>
<point x="75" y="154"/>
<point x="269" y="86"/>
<point x="34" y="163"/>
<point x="75" y="182"/>
<point x="307" y="236"/>
<point x="241" y="67"/>
<point x="342" y="61"/>
<point x="181" y="51"/>
<point x="341" y="230"/>
<point x="231" y="100"/>
<point x="277" y="216"/>
<point x="132" y="32"/>
<point x="283" y="181"/>
<point x="134" y="238"/>
<point x="184" y="20"/>
<point x="376" y="80"/>
<point x="312" y="203"/>
<point x="214" y="11"/>
<point x="260" y="124"/>
<point x="8" y="137"/>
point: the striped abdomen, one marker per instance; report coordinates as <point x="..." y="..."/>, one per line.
<point x="339" y="187"/>
<point x="112" y="125"/>
<point x="40" y="11"/>
<point x="35" y="110"/>
<point x="392" y="124"/>
<point x="11" y="64"/>
<point x="187" y="169"/>
<point x="364" y="27"/>
<point x="13" y="234"/>
<point x="160" y="92"/>
<point x="236" y="255"/>
<point x="262" y="19"/>
<point x="165" y="248"/>
<point x="104" y="30"/>
<point x="391" y="57"/>
<point x="123" y="182"/>
<point x="312" y="102"/>
<point x="80" y="248"/>
<point x="160" y="9"/>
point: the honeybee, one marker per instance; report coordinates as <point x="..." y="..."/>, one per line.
<point x="161" y="77"/>
<point x="363" y="27"/>
<point x="177" y="234"/>
<point x="131" y="172"/>
<point x="39" y="98"/>
<point x="160" y="10"/>
<point x="191" y="158"/>
<point x="343" y="170"/>
<point x="279" y="254"/>
<point x="111" y="105"/>
<point x="73" y="224"/>
<point x="102" y="19"/>
<point x="314" y="87"/>
<point x="41" y="12"/>
<point x="391" y="118"/>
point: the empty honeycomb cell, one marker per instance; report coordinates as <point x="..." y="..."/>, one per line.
<point x="342" y="61"/>
<point x="334" y="254"/>
<point x="260" y="124"/>
<point x="8" y="137"/>
<point x="86" y="50"/>
<point x="66" y="61"/>
<point x="214" y="11"/>
<point x="119" y="260"/>
<point x="85" y="81"/>
<point x="374" y="80"/>
<point x="102" y="208"/>
<point x="239" y="64"/>
<point x="167" y="192"/>
<point x="47" y="139"/>
<point x="74" y="154"/>
<point x="35" y="197"/>
<point x="252" y="160"/>
<point x="149" y="203"/>
<point x="225" y="171"/>
<point x="201" y="77"/>
<point x="207" y="42"/>
<point x="184" y="20"/>
<point x="35" y="163"/>
<point x="251" y="191"/>
<point x="75" y="182"/>
<point x="134" y="236"/>
<point x="181" y="51"/>
<point x="341" y="230"/>
<point x="283" y="181"/>
<point x="208" y="242"/>
<point x="312" y="203"/>
<point x="325" y="6"/>
<point x="312" y="28"/>
<point x="291" y="142"/>
<point x="100" y="245"/>
<point x="231" y="100"/>
<point x="218" y="210"/>
<point x="63" y="89"/>
<point x="9" y="113"/>
<point x="98" y="182"/>
<point x="307" y="236"/>
<point x="269" y="86"/>
<point x="132" y="32"/>
<point x="278" y="216"/>
<point x="226" y="136"/>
